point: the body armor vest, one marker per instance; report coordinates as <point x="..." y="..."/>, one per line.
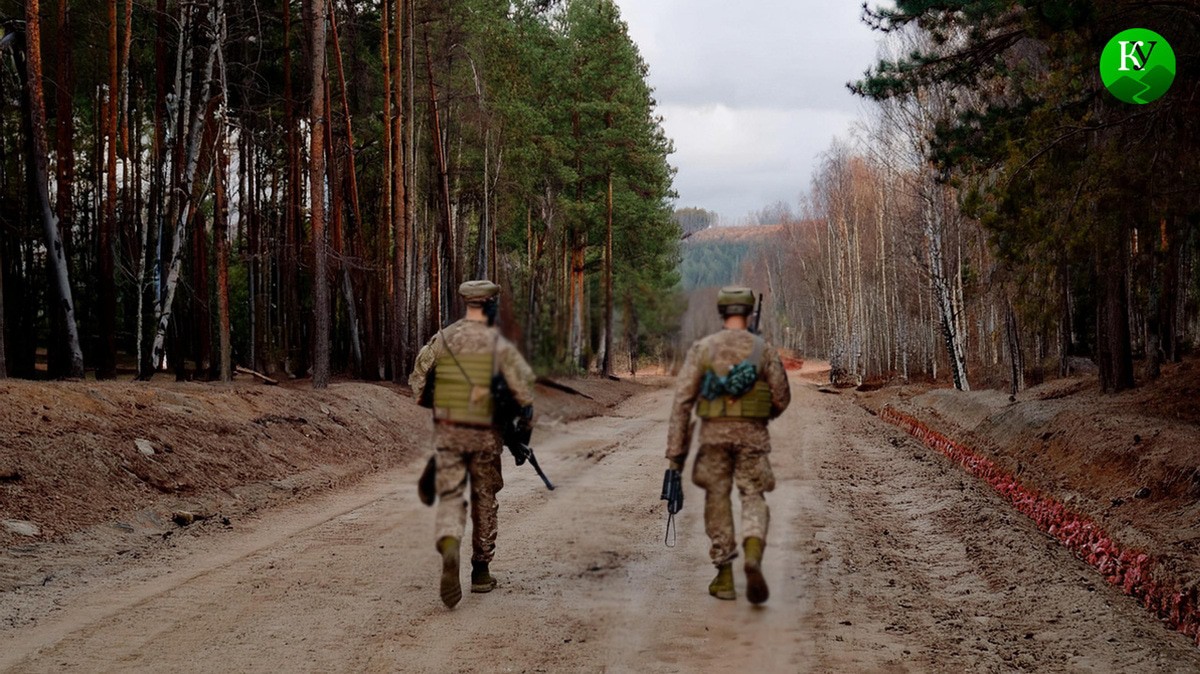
<point x="753" y="404"/>
<point x="462" y="387"/>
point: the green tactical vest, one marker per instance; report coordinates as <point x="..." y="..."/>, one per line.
<point x="753" y="405"/>
<point x="462" y="390"/>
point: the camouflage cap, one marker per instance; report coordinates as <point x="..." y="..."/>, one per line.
<point x="479" y="291"/>
<point x="735" y="296"/>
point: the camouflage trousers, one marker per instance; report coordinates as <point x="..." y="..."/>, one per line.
<point x="718" y="468"/>
<point x="467" y="454"/>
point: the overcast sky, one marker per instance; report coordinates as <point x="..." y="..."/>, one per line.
<point x="751" y="93"/>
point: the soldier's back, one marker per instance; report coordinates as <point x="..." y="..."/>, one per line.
<point x="726" y="348"/>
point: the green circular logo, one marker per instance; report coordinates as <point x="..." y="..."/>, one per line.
<point x="1137" y="65"/>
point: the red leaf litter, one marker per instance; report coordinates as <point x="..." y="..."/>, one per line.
<point x="1136" y="573"/>
<point x="792" y="364"/>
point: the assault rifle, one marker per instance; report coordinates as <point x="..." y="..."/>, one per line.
<point x="672" y="493"/>
<point x="753" y="326"/>
<point x="516" y="425"/>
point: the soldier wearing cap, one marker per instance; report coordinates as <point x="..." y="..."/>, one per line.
<point x="458" y="365"/>
<point x="736" y="383"/>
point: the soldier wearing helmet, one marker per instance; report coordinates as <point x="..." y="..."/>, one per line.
<point x="736" y="383"/>
<point x="453" y="374"/>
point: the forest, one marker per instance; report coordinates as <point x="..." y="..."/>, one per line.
<point x="999" y="217"/>
<point x="298" y="187"/>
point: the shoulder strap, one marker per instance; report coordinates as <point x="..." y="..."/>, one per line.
<point x="446" y="346"/>
<point x="756" y="353"/>
<point x="495" y="354"/>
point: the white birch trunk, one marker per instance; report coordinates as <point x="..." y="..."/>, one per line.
<point x="195" y="137"/>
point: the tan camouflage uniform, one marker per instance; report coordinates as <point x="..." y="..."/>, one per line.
<point x="474" y="451"/>
<point x="732" y="451"/>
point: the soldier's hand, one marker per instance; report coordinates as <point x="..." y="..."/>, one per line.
<point x="524" y="421"/>
<point x="675" y="465"/>
<point x="520" y="453"/>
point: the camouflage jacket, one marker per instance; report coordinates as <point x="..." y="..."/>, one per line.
<point x="721" y="351"/>
<point x="465" y="337"/>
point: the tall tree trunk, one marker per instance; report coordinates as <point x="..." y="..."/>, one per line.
<point x="185" y="208"/>
<point x="55" y="259"/>
<point x="400" y="223"/>
<point x="221" y="238"/>
<point x="147" y="294"/>
<point x="297" y="352"/>
<point x="57" y="359"/>
<point x="106" y="359"/>
<point x="943" y="292"/>
<point x="448" y="250"/>
<point x="316" y="172"/>
<point x="1114" y="352"/>
<point x="606" y="363"/>
<point x="348" y="254"/>
<point x="1016" y="359"/>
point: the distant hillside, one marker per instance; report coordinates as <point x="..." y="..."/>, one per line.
<point x="714" y="256"/>
<point x="731" y="234"/>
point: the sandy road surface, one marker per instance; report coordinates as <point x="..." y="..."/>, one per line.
<point x="882" y="557"/>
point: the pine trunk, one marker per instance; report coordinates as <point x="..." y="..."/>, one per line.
<point x="316" y="173"/>
<point x="606" y="362"/>
<point x="221" y="238"/>
<point x="1114" y="351"/>
<point x="39" y="177"/>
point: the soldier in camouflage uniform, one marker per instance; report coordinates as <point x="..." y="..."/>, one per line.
<point x="734" y="444"/>
<point x="460" y="362"/>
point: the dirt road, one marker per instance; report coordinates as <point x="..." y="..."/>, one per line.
<point x="882" y="557"/>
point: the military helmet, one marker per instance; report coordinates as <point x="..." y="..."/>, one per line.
<point x="478" y="291"/>
<point x="735" y="301"/>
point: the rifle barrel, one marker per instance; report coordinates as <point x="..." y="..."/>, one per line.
<point x="536" y="467"/>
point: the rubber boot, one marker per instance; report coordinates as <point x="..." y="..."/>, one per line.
<point x="451" y="590"/>
<point x="722" y="586"/>
<point x="756" y="585"/>
<point x="481" y="580"/>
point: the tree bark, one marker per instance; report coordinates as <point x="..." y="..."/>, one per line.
<point x="1114" y="352"/>
<point x="606" y="363"/>
<point x="147" y="294"/>
<point x="943" y="292"/>
<point x="1016" y="359"/>
<point x="448" y="250"/>
<point x="106" y="360"/>
<point x="400" y="223"/>
<point x="55" y="258"/>
<point x="65" y="174"/>
<point x="347" y="252"/>
<point x="196" y="132"/>
<point x="316" y="172"/>
<point x="221" y="239"/>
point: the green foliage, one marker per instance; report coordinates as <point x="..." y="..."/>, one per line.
<point x="1059" y="171"/>
<point x="712" y="263"/>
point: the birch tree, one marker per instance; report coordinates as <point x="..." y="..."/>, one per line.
<point x="39" y="177"/>
<point x="187" y="190"/>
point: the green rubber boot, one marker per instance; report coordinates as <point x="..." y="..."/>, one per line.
<point x="481" y="580"/>
<point x="451" y="590"/>
<point x="722" y="586"/>
<point x="756" y="585"/>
